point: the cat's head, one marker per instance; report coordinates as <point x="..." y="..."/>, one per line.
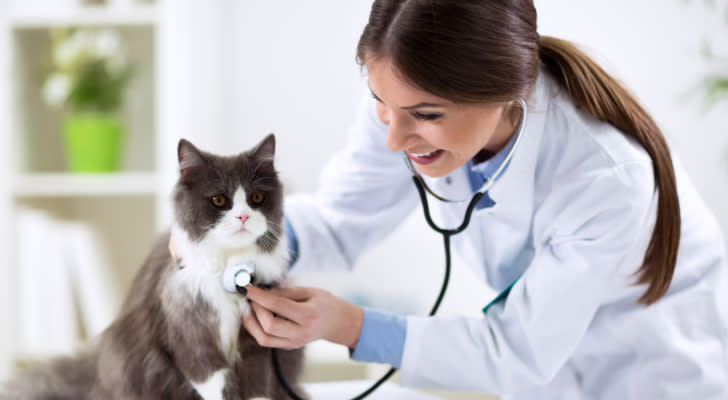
<point x="230" y="201"/>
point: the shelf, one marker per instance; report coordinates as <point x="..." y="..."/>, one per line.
<point x="71" y="185"/>
<point x="88" y="16"/>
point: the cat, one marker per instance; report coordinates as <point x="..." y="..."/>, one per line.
<point x="179" y="335"/>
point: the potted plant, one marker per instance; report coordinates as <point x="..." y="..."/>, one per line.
<point x="90" y="73"/>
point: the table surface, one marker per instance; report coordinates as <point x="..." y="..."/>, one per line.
<point x="342" y="390"/>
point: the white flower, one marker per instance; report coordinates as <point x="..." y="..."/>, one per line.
<point x="84" y="40"/>
<point x="71" y="51"/>
<point x="56" y="89"/>
<point x="108" y="44"/>
<point x="65" y="54"/>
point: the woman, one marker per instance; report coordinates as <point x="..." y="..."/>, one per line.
<point x="617" y="267"/>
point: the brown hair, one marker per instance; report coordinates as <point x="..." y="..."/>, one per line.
<point x="478" y="51"/>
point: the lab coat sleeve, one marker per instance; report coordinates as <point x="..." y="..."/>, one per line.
<point x="364" y="192"/>
<point x="589" y="237"/>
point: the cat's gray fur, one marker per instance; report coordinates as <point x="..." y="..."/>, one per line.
<point x="164" y="338"/>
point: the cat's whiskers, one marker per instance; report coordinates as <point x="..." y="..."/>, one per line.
<point x="277" y="229"/>
<point x="271" y="242"/>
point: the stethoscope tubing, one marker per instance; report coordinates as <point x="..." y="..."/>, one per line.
<point x="446" y="234"/>
<point x="422" y="190"/>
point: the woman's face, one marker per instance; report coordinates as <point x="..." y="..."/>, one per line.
<point x="438" y="135"/>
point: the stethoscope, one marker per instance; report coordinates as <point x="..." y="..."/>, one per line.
<point x="235" y="278"/>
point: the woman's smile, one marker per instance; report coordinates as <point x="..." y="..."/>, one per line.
<point x="425" y="158"/>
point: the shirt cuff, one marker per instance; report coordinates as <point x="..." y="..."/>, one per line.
<point x="381" y="339"/>
<point x="292" y="241"/>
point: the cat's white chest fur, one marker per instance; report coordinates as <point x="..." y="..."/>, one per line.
<point x="204" y="280"/>
<point x="202" y="276"/>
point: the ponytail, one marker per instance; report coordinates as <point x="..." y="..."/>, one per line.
<point x="592" y="89"/>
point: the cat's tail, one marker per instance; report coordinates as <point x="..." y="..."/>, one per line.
<point x="61" y="378"/>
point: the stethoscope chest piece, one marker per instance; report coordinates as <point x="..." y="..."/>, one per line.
<point x="237" y="276"/>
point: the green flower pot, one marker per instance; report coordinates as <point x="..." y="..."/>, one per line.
<point x="93" y="142"/>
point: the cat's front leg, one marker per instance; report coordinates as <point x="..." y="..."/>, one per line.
<point x="205" y="368"/>
<point x="195" y="347"/>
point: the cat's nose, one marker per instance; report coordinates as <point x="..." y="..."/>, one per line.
<point x="243" y="218"/>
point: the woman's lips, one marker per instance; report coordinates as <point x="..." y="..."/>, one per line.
<point x="424" y="159"/>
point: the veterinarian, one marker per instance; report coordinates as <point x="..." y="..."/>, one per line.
<point x="612" y="270"/>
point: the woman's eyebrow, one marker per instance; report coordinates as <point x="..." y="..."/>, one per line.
<point x="412" y="107"/>
<point x="423" y="104"/>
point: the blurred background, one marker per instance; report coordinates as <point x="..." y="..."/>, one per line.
<point x="76" y="226"/>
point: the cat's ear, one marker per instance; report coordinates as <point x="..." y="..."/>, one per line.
<point x="266" y="149"/>
<point x="190" y="158"/>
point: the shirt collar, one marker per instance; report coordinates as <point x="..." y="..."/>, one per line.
<point x="487" y="168"/>
<point x="482" y="171"/>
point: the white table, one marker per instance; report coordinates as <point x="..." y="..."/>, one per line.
<point x="344" y="390"/>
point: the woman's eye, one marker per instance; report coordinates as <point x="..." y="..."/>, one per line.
<point x="426" y="117"/>
<point x="219" y="201"/>
<point x="257" y="197"/>
<point x="374" y="96"/>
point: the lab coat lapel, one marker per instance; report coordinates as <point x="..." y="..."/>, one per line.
<point x="499" y="233"/>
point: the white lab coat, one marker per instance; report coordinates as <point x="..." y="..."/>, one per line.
<point x="574" y="213"/>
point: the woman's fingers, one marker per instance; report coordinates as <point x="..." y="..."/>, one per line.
<point x="252" y="325"/>
<point x="294" y="293"/>
<point x="280" y="305"/>
<point x="278" y="327"/>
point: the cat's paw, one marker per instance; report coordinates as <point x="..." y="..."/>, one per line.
<point x="212" y="388"/>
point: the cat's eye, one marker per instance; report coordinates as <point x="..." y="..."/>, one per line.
<point x="219" y="201"/>
<point x="257" y="197"/>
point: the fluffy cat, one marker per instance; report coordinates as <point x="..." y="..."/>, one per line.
<point x="179" y="335"/>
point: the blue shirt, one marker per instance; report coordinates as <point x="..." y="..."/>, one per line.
<point x="382" y="335"/>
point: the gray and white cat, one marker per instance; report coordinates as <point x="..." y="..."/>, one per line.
<point x="179" y="334"/>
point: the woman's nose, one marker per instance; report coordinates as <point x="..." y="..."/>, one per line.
<point x="399" y="132"/>
<point x="398" y="136"/>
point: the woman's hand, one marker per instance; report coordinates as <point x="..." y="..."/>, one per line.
<point x="302" y="315"/>
<point x="173" y="251"/>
